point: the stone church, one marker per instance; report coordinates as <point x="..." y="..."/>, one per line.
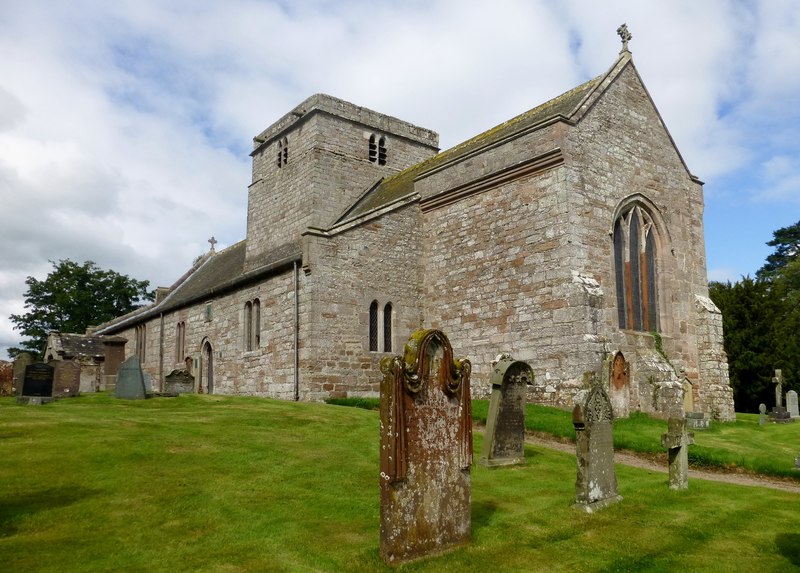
<point x="569" y="236"/>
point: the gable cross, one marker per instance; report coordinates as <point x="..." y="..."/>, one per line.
<point x="213" y="242"/>
<point x="625" y="35"/>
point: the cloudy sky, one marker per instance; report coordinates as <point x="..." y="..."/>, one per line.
<point x="125" y="126"/>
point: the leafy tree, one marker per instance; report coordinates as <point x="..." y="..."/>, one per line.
<point x="786" y="241"/>
<point x="72" y="298"/>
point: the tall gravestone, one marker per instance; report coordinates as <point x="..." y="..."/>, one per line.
<point x="37" y="384"/>
<point x="596" y="484"/>
<point x="21" y="362"/>
<point x="779" y="414"/>
<point x="504" y="439"/>
<point x="677" y="440"/>
<point x="791" y="404"/>
<point x="762" y="414"/>
<point x="66" y="378"/>
<point x="130" y="380"/>
<point x="619" y="381"/>
<point x="426" y="449"/>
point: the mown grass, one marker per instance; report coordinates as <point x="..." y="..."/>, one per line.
<point x="770" y="449"/>
<point x="206" y="483"/>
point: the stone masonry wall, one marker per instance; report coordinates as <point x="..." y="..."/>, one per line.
<point x="266" y="371"/>
<point x="346" y="272"/>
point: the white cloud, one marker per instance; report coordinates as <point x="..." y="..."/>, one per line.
<point x="125" y="126"/>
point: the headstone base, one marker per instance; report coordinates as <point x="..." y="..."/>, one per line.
<point x="697" y="421"/>
<point x="34" y="400"/>
<point x="597" y="505"/>
<point x="780" y="415"/>
<point x="499" y="462"/>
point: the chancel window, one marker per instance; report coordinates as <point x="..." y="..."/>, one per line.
<point x="380" y="327"/>
<point x="252" y="325"/>
<point x="180" y="341"/>
<point x="635" y="256"/>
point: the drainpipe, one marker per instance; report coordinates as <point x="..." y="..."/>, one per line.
<point x="161" y="355"/>
<point x="296" y="337"/>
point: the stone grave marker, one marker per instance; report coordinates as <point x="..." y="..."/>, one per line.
<point x="179" y="382"/>
<point x="762" y="414"/>
<point x="6" y="378"/>
<point x="778" y="381"/>
<point x="596" y="484"/>
<point x="677" y="440"/>
<point x="130" y="380"/>
<point x="425" y="450"/>
<point x="66" y="378"/>
<point x="791" y="404"/>
<point x="37" y="384"/>
<point x="779" y="414"/>
<point x="504" y="439"/>
<point x="21" y="362"/>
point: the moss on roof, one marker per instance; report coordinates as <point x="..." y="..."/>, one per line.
<point x="402" y="183"/>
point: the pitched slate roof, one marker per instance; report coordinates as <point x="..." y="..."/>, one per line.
<point x="72" y="345"/>
<point x="401" y="184"/>
<point x="212" y="275"/>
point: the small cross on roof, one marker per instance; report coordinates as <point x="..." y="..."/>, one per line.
<point x="625" y="35"/>
<point x="213" y="242"/>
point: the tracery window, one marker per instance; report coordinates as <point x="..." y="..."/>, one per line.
<point x="635" y="256"/>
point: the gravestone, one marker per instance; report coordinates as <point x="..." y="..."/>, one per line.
<point x="66" y="378"/>
<point x="6" y="378"/>
<point x="596" y="484"/>
<point x="677" y="440"/>
<point x="618" y="371"/>
<point x="37" y="384"/>
<point x="791" y="404"/>
<point x="504" y="439"/>
<point x="130" y="380"/>
<point x="697" y="420"/>
<point x="179" y="382"/>
<point x="762" y="414"/>
<point x="778" y="381"/>
<point x="426" y="450"/>
<point x="779" y="414"/>
<point x="21" y="362"/>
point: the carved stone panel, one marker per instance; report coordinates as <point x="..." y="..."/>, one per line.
<point x="426" y="449"/>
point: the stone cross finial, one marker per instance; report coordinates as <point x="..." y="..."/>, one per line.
<point x="625" y="35"/>
<point x="213" y="242"/>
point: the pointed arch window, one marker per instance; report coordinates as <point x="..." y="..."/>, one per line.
<point x="373" y="326"/>
<point x="283" y="152"/>
<point x="252" y="325"/>
<point x="635" y="257"/>
<point x="180" y="341"/>
<point x="387" y="327"/>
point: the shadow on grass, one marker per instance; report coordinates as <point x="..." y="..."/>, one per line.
<point x="789" y="546"/>
<point x="15" y="509"/>
<point x="482" y="512"/>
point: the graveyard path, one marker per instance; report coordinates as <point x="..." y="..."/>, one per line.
<point x="658" y="463"/>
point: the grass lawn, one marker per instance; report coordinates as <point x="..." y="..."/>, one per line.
<point x="231" y="484"/>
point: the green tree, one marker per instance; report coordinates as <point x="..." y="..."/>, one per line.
<point x="72" y="298"/>
<point x="786" y="241"/>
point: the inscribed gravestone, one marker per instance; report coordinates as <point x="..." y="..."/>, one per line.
<point x="762" y="414"/>
<point x="66" y="378"/>
<point x="130" y="380"/>
<point x="21" y="362"/>
<point x="677" y="440"/>
<point x="179" y="382"/>
<point x="426" y="449"/>
<point x="596" y="484"/>
<point x="504" y="439"/>
<point x="38" y="380"/>
<point x="791" y="404"/>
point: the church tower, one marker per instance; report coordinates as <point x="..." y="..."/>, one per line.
<point x="316" y="161"/>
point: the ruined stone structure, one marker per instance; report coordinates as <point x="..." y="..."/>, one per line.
<point x="567" y="234"/>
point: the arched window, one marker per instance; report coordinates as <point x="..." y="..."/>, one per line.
<point x="387" y="327"/>
<point x="373" y="149"/>
<point x="382" y="151"/>
<point x="180" y="341"/>
<point x="248" y="326"/>
<point x="635" y="255"/>
<point x="283" y="152"/>
<point x="256" y="323"/>
<point x="373" y="326"/>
